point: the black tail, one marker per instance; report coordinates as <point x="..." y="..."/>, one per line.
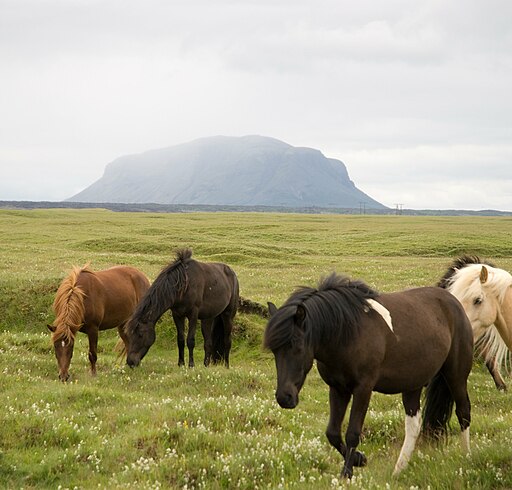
<point x="218" y="348"/>
<point x="438" y="408"/>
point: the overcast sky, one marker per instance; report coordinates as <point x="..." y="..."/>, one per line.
<point x="414" y="97"/>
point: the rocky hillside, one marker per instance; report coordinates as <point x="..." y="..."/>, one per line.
<point x="246" y="171"/>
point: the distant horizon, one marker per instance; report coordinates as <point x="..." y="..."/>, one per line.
<point x="162" y="207"/>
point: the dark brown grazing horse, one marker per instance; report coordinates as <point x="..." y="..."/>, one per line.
<point x="364" y="341"/>
<point x="191" y="290"/>
<point x="88" y="302"/>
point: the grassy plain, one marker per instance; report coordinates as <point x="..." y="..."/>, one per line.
<point x="163" y="427"/>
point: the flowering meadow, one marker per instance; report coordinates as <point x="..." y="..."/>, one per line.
<point x="160" y="426"/>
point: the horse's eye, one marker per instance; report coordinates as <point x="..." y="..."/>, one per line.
<point x="477" y="301"/>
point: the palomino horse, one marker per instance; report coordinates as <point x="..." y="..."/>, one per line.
<point x="364" y="341"/>
<point x="88" y="302"/>
<point x="191" y="290"/>
<point x="486" y="294"/>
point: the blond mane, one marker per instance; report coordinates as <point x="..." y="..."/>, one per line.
<point x="69" y="306"/>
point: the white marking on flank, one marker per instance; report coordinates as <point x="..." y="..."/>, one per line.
<point x="383" y="312"/>
<point x="412" y="431"/>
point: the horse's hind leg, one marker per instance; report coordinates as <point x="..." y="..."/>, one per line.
<point x="456" y="376"/>
<point x="180" y="329"/>
<point x="411" y="402"/>
<point x="227" y="318"/>
<point x="338" y="402"/>
<point x="463" y="411"/>
<point x="464" y="421"/>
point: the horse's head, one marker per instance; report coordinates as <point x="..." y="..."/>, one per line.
<point x="63" y="352"/>
<point x="480" y="301"/>
<point x="293" y="357"/>
<point x="141" y="336"/>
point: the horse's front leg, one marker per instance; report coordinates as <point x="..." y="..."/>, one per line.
<point x="179" y="321"/>
<point x="206" y="329"/>
<point x="360" y="403"/>
<point x="492" y="367"/>
<point x="338" y="402"/>
<point x="124" y="339"/>
<point x="503" y="324"/>
<point x="191" y="338"/>
<point x="93" y="348"/>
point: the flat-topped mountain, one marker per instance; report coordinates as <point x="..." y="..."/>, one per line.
<point x="221" y="170"/>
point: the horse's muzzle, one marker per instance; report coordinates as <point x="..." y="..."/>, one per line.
<point x="64" y="377"/>
<point x="133" y="361"/>
<point x="287" y="399"/>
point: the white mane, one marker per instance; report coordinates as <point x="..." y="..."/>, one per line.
<point x="465" y="283"/>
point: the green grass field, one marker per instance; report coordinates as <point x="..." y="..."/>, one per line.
<point x="160" y="426"/>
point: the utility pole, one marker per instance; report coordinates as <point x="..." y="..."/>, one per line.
<point x="398" y="209"/>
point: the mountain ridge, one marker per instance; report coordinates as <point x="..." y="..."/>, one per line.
<point x="249" y="170"/>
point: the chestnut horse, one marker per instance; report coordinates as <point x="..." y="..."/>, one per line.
<point x="88" y="302"/>
<point x="486" y="295"/>
<point x="195" y="291"/>
<point x="364" y="341"/>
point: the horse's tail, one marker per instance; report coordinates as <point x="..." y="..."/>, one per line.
<point x="438" y="407"/>
<point x="218" y="347"/>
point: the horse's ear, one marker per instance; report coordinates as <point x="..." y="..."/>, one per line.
<point x="300" y="316"/>
<point x="484" y="274"/>
<point x="272" y="309"/>
<point x="51" y="328"/>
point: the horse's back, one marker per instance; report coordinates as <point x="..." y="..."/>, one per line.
<point x="215" y="287"/>
<point x="130" y="276"/>
<point x="433" y="311"/>
<point x="429" y="328"/>
<point x="121" y="280"/>
<point x="112" y="294"/>
<point x="427" y="305"/>
<point x="213" y="276"/>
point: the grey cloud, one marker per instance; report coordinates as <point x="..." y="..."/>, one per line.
<point x="383" y="86"/>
